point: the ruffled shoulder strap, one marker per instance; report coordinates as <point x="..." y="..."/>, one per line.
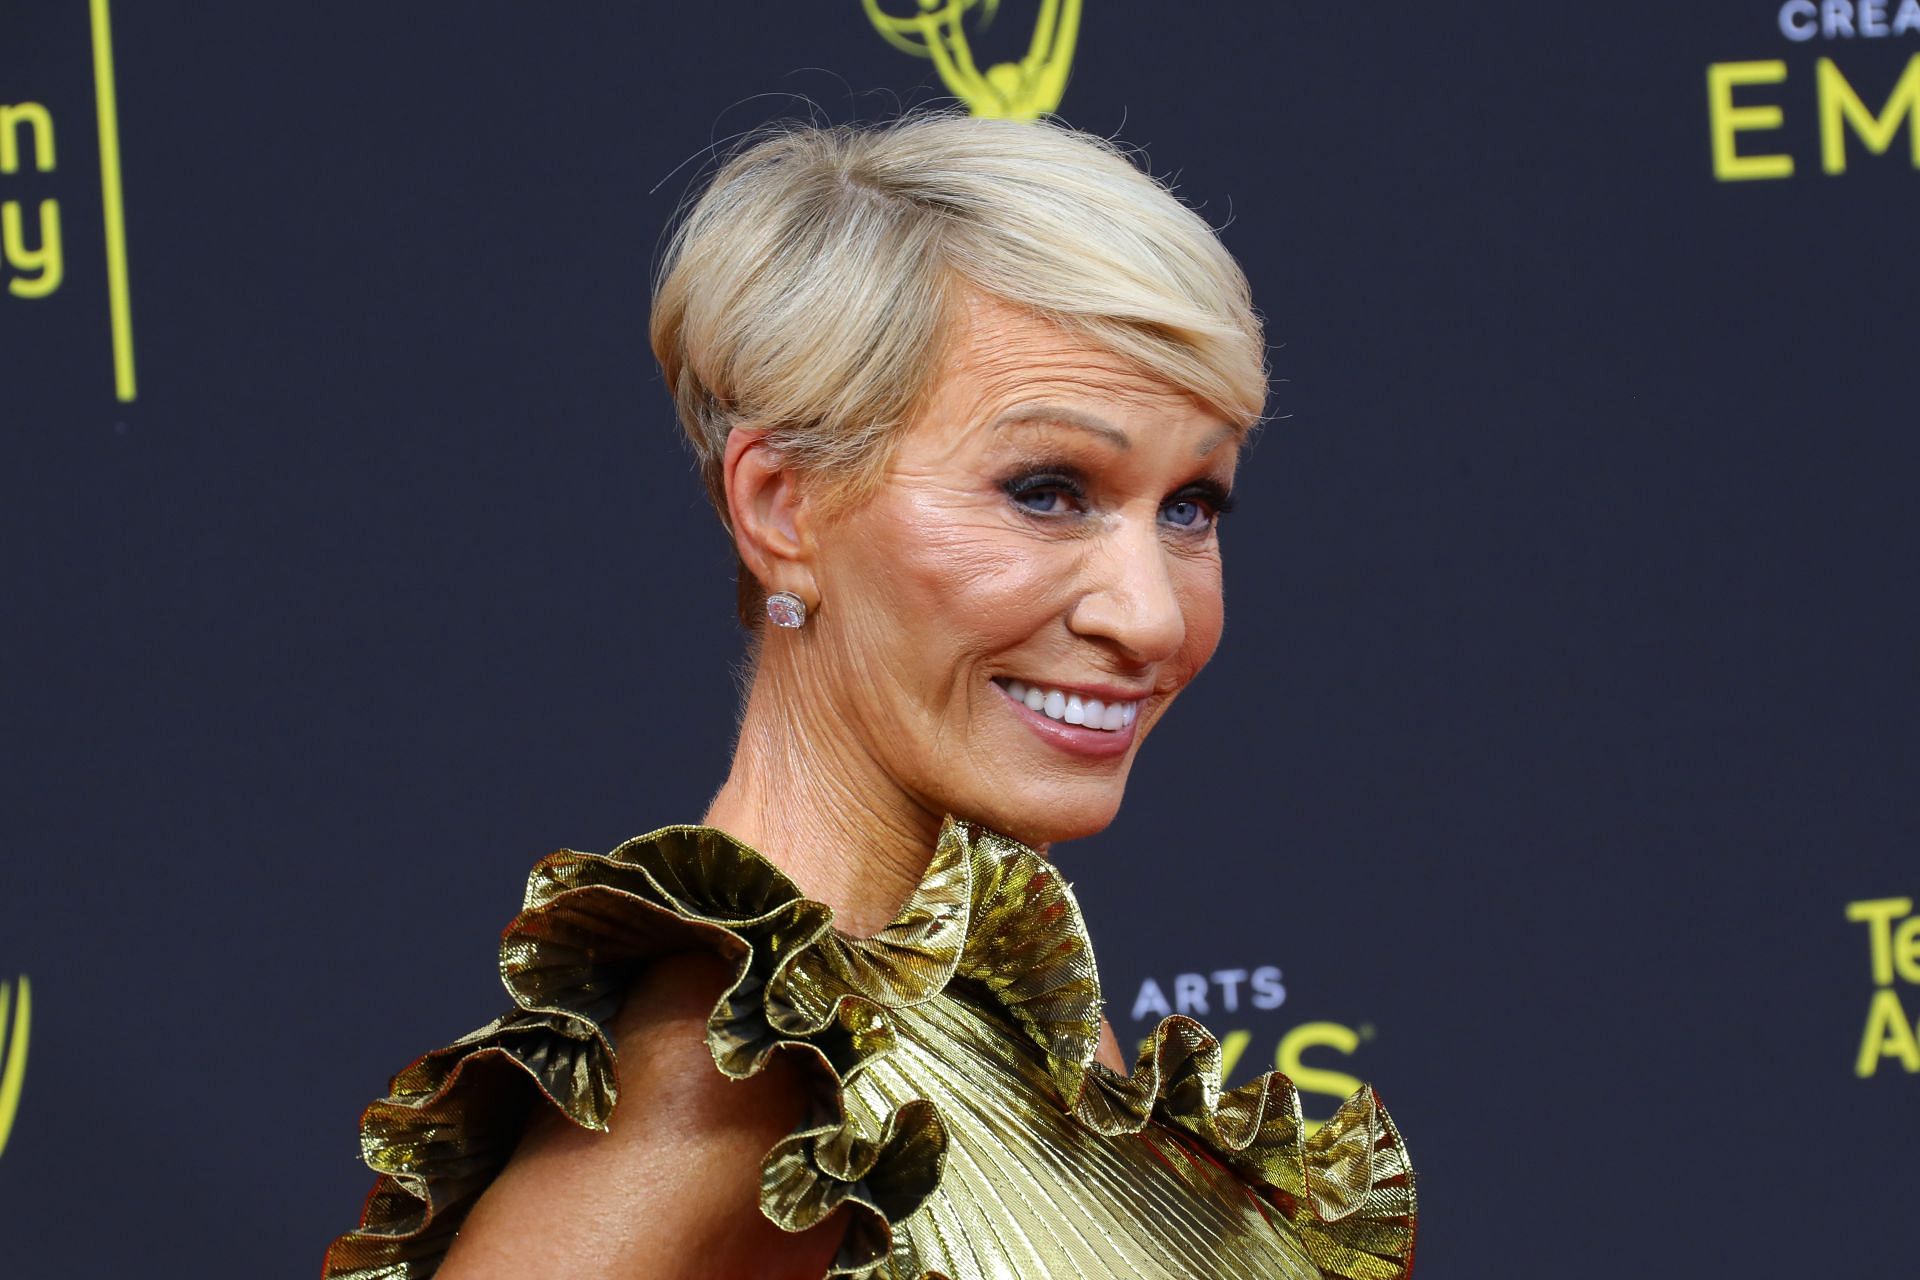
<point x="590" y="921"/>
<point x="1347" y="1188"/>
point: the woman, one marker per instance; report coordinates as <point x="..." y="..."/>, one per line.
<point x="969" y="397"/>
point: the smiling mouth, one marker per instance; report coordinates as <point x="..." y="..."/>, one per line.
<point x="1069" y="707"/>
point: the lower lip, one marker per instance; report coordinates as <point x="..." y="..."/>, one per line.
<point x="1094" y="744"/>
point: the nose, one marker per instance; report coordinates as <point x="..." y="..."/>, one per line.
<point x="1130" y="600"/>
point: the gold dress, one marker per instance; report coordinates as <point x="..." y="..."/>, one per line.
<point x="958" y="1108"/>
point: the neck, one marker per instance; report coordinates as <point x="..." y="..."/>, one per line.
<point x="820" y="808"/>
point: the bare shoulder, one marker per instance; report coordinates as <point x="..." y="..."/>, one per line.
<point x="672" y="1188"/>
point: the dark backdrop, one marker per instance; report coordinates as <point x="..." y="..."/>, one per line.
<point x="1568" y="692"/>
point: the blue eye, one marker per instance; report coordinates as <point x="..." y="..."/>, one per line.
<point x="1198" y="507"/>
<point x="1044" y="493"/>
<point x="1042" y="501"/>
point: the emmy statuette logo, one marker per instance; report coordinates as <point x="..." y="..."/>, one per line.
<point x="16" y="1016"/>
<point x="1022" y="90"/>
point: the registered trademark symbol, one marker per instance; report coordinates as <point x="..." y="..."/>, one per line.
<point x="1366" y="1031"/>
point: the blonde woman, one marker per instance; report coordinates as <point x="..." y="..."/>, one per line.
<point x="969" y="397"/>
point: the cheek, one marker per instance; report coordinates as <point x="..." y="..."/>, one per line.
<point x="1203" y="608"/>
<point x="955" y="584"/>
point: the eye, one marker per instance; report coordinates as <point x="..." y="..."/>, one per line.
<point x="1041" y="501"/>
<point x="1049" y="493"/>
<point x="1186" y="513"/>
<point x="1197" y="508"/>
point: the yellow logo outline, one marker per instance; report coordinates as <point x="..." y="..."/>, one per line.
<point x="47" y="262"/>
<point x="13" y="1052"/>
<point x="1023" y="90"/>
<point x="112" y="202"/>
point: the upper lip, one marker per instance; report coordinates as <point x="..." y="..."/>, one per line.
<point x="1103" y="692"/>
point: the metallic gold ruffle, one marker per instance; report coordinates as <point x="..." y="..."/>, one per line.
<point x="989" y="915"/>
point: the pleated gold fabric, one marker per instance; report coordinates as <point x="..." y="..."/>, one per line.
<point x="959" y="1111"/>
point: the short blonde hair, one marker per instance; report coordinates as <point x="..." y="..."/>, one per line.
<point x="810" y="291"/>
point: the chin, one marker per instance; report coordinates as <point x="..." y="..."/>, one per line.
<point x="1049" y="817"/>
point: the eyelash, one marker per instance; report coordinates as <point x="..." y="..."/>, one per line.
<point x="1213" y="496"/>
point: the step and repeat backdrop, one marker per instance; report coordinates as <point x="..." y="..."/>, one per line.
<point x="1557" y="774"/>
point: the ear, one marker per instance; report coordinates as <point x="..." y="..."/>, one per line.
<point x="772" y="522"/>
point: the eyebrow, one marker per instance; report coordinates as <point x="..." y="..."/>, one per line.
<point x="1218" y="437"/>
<point x="1065" y="416"/>
<point x="1080" y="419"/>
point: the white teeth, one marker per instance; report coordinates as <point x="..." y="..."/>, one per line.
<point x="1071" y="708"/>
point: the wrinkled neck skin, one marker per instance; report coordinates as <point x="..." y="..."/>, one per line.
<point x="802" y="792"/>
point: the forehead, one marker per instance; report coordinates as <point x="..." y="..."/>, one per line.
<point x="1012" y="368"/>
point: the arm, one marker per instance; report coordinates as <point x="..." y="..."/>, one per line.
<point x="672" y="1189"/>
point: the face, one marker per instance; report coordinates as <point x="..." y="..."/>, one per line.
<point x="1033" y="584"/>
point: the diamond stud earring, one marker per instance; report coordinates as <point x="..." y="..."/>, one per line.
<point x="785" y="609"/>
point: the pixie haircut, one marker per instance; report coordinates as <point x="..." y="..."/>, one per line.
<point x="811" y="291"/>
